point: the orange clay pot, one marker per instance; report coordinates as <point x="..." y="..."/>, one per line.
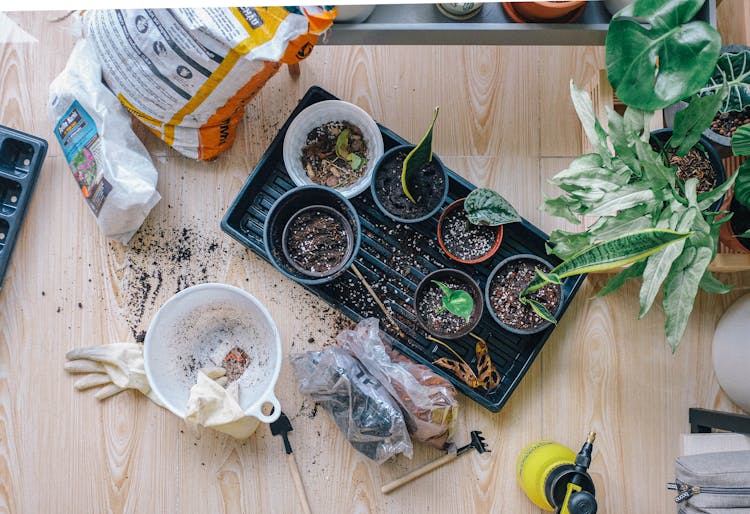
<point x="459" y="204"/>
<point x="536" y="12"/>
<point x="726" y="233"/>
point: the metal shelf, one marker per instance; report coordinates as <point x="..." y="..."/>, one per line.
<point x="423" y="24"/>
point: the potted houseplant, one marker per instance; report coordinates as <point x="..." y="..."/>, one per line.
<point x="736" y="233"/>
<point x="448" y="303"/>
<point x="470" y="229"/>
<point x="732" y="71"/>
<point x="312" y="234"/>
<point x="625" y="181"/>
<point x="410" y="183"/>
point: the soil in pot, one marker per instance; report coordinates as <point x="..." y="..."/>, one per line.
<point x="694" y="165"/>
<point x="464" y="239"/>
<point x="436" y="316"/>
<point x="508" y="284"/>
<point x="727" y="123"/>
<point x="324" y="165"/>
<point x="317" y="241"/>
<point x="427" y="187"/>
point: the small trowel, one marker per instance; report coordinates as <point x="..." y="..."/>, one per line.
<point x="283" y="426"/>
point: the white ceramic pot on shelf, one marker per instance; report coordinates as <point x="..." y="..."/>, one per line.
<point x="353" y="13"/>
<point x="731" y="352"/>
<point x="614" y="6"/>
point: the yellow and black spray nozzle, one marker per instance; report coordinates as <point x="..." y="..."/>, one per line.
<point x="556" y="479"/>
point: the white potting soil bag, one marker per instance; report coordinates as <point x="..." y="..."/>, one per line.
<point x="110" y="164"/>
<point x="188" y="73"/>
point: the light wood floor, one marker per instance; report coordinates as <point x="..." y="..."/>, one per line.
<point x="506" y="122"/>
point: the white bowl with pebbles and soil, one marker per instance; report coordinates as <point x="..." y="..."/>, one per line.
<point x="212" y="325"/>
<point x="505" y="284"/>
<point x="448" y="303"/>
<point x="312" y="234"/>
<point x="429" y="187"/>
<point x="335" y="144"/>
<point x="464" y="241"/>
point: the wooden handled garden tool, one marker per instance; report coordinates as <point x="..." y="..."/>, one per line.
<point x="283" y="426"/>
<point x="477" y="442"/>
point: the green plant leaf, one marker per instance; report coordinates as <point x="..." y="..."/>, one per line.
<point x="487" y="207"/>
<point x="705" y="200"/>
<point x="689" y="123"/>
<point x="591" y="126"/>
<point x="418" y="158"/>
<point x="618" y="252"/>
<point x="623" y="198"/>
<point x="355" y="160"/>
<point x="633" y="271"/>
<point x="550" y="278"/>
<point x="732" y="71"/>
<point x="658" y="265"/>
<point x="741" y="141"/>
<point x="560" y="207"/>
<point x="457" y="302"/>
<point x="711" y="284"/>
<point x="651" y="66"/>
<point x="539" y="309"/>
<point x="564" y="243"/>
<point x="342" y="144"/>
<point x="742" y="184"/>
<point x="680" y="289"/>
<point x="744" y="235"/>
<point x="589" y="171"/>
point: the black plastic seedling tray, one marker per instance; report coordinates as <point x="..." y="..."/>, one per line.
<point x="21" y="158"/>
<point x="393" y="258"/>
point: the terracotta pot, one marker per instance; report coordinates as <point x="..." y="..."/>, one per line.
<point x="726" y="232"/>
<point x="459" y="204"/>
<point x="535" y="12"/>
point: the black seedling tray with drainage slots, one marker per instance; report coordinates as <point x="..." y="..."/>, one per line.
<point x="393" y="258"/>
<point x="21" y="158"/>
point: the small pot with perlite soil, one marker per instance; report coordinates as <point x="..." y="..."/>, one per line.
<point x="448" y="303"/>
<point x="503" y="291"/>
<point x="312" y="234"/>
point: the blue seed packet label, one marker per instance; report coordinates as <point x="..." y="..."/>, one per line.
<point x="77" y="134"/>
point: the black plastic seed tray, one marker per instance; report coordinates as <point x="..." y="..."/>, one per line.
<point x="21" y="158"/>
<point x="393" y="258"/>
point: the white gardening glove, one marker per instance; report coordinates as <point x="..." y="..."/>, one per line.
<point x="211" y="405"/>
<point x="115" y="367"/>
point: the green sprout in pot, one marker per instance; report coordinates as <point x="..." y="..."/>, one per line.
<point x="487" y="207"/>
<point x="418" y="158"/>
<point x="343" y="150"/>
<point x="456" y="301"/>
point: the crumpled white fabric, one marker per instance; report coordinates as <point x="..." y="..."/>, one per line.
<point x="212" y="406"/>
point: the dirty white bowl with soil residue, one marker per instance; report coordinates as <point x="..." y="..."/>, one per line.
<point x="319" y="114"/>
<point x="197" y="328"/>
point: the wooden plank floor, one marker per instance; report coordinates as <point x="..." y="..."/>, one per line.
<point x="505" y="122"/>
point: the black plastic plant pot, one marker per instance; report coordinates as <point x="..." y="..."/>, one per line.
<point x="508" y="299"/>
<point x="325" y="235"/>
<point x="291" y="205"/>
<point x="704" y="145"/>
<point x="431" y="189"/>
<point x="427" y="304"/>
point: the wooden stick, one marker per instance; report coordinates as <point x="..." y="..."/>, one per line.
<point x="445" y="459"/>
<point x="375" y="296"/>
<point x="301" y="494"/>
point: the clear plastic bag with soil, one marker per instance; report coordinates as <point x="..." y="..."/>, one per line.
<point x="427" y="186"/>
<point x="360" y="406"/>
<point x="506" y="288"/>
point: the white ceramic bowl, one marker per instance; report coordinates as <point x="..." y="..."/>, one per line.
<point x="324" y="112"/>
<point x="731" y="352"/>
<point x="196" y="328"/>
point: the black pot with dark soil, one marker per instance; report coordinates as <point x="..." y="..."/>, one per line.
<point x="312" y="234"/>
<point x="429" y="187"/>
<point x="701" y="162"/>
<point x="430" y="306"/>
<point x="502" y="294"/>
